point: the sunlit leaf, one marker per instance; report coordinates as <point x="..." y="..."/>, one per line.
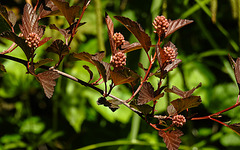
<point x="235" y="127"/>
<point x="70" y="13"/>
<point x="19" y="41"/>
<point x="47" y="80"/>
<point x="110" y="27"/>
<point x="43" y="41"/>
<point x="171" y="110"/>
<point x="183" y="94"/>
<point x="136" y="30"/>
<point x="146" y="93"/>
<point x="58" y="47"/>
<point x="42" y="62"/>
<point x="9" y="17"/>
<point x="176" y="24"/>
<point x="171" y="138"/>
<point x="125" y="75"/>
<point x="182" y="104"/>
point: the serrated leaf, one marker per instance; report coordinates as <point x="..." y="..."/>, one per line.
<point x="43" y="41"/>
<point x="19" y="41"/>
<point x="30" y="22"/>
<point x="182" y="104"/>
<point x="111" y="104"/>
<point x="58" y="47"/>
<point x="171" y="110"/>
<point x="89" y="71"/>
<point x="49" y="9"/>
<point x="137" y="31"/>
<point x="237" y="72"/>
<point x="9" y="17"/>
<point x="2" y="68"/>
<point x="146" y="93"/>
<point x="183" y="94"/>
<point x="125" y="75"/>
<point x="145" y="108"/>
<point x="176" y="24"/>
<point x="42" y="62"/>
<point x="47" y="80"/>
<point x="110" y="28"/>
<point x="70" y="13"/>
<point x="93" y="60"/>
<point x="235" y="127"/>
<point x="171" y="138"/>
<point x="172" y="65"/>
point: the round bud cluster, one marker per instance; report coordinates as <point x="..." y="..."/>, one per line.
<point x="32" y="40"/>
<point x="160" y="24"/>
<point x="169" y="53"/>
<point x="178" y="120"/>
<point x="118" y="60"/>
<point x="118" y="38"/>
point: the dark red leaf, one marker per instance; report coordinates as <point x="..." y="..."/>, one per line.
<point x="89" y="71"/>
<point x="47" y="81"/>
<point x="172" y="65"/>
<point x="171" y="138"/>
<point x="183" y="94"/>
<point x="136" y="30"/>
<point x="232" y="62"/>
<point x="58" y="47"/>
<point x="111" y="104"/>
<point x="43" y="41"/>
<point x="182" y="104"/>
<point x="110" y="27"/>
<point x="42" y="62"/>
<point x="19" y="41"/>
<point x="70" y="13"/>
<point x="9" y="17"/>
<point x="235" y="127"/>
<point x="93" y="60"/>
<point x="146" y="93"/>
<point x="125" y="75"/>
<point x="237" y="71"/>
<point x="144" y="108"/>
<point x="176" y="24"/>
<point x="171" y="110"/>
<point x="48" y="8"/>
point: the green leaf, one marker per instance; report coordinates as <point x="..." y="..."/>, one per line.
<point x="182" y="104"/>
<point x="32" y="125"/>
<point x="19" y="41"/>
<point x="70" y="13"/>
<point x="58" y="47"/>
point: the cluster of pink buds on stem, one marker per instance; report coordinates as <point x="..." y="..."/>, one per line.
<point x="118" y="38"/>
<point x="169" y="53"/>
<point x="178" y="120"/>
<point x="32" y="40"/>
<point x="160" y="24"/>
<point x="118" y="60"/>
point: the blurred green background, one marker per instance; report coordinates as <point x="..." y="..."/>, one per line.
<point x="73" y="120"/>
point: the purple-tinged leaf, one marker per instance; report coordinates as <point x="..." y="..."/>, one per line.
<point x="110" y="27"/>
<point x="237" y="71"/>
<point x="123" y="76"/>
<point x="2" y="68"/>
<point x="183" y="94"/>
<point x="172" y="65"/>
<point x="137" y="31"/>
<point x="182" y="104"/>
<point x="92" y="59"/>
<point x="9" y="17"/>
<point x="42" y="62"/>
<point x="89" y="71"/>
<point x="176" y="24"/>
<point x="48" y="9"/>
<point x="58" y="47"/>
<point x="19" y="41"/>
<point x="235" y="127"/>
<point x="70" y="13"/>
<point x="171" y="110"/>
<point x="47" y="80"/>
<point x="43" y="41"/>
<point x="171" y="138"/>
<point x="146" y="93"/>
<point x="144" y="108"/>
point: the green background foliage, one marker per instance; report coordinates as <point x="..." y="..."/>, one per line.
<point x="72" y="119"/>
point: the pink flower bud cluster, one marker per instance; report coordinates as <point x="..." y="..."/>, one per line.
<point x="169" y="53"/>
<point x="160" y="24"/>
<point x="178" y="120"/>
<point x="32" y="40"/>
<point x="118" y="38"/>
<point x="118" y="60"/>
